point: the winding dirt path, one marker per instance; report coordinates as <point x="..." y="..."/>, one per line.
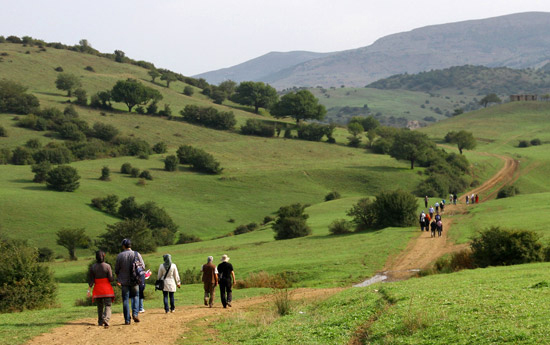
<point x="424" y="250"/>
<point x="160" y="328"/>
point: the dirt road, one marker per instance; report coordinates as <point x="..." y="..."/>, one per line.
<point x="160" y="328"/>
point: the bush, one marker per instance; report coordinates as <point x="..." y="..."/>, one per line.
<point x="209" y="117"/>
<point x="45" y="254"/>
<point x="507" y="191"/>
<point x="41" y="171"/>
<point x="191" y="276"/>
<point x="186" y="238"/>
<point x="340" y="226"/>
<point x="3" y="132"/>
<point x="136" y="230"/>
<point x="24" y="282"/>
<point x="291" y="222"/>
<point x="105" y="174"/>
<point x="160" y="147"/>
<point x="268" y="219"/>
<point x="258" y="128"/>
<point x="332" y="196"/>
<point x="536" y="142"/>
<point x="242" y="229"/>
<point x="63" y="178"/>
<point x="146" y="175"/>
<point x="54" y="154"/>
<point x="5" y="155"/>
<point x="58" y="69"/>
<point x="126" y="168"/>
<point x="312" y="131"/>
<point x="108" y="204"/>
<point x="185" y="153"/>
<point x="104" y="132"/>
<point x="354" y="141"/>
<point x="89" y="68"/>
<point x="188" y="91"/>
<point x="134" y="172"/>
<point x="499" y="247"/>
<point x="81" y="97"/>
<point x="171" y="163"/>
<point x="21" y="156"/>
<point x="14" y="99"/>
<point x="524" y="143"/>
<point x="199" y="160"/>
<point x="33" y="144"/>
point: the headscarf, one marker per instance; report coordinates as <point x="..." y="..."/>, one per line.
<point x="167" y="261"/>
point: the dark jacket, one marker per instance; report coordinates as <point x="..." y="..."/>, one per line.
<point x="124" y="262"/>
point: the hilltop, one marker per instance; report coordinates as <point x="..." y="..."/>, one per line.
<point x="515" y="41"/>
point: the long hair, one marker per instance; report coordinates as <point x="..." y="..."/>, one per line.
<point x="100" y="256"/>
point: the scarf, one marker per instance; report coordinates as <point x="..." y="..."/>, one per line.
<point x="167" y="261"/>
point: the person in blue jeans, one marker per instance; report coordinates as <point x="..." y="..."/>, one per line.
<point x="168" y="271"/>
<point x="130" y="292"/>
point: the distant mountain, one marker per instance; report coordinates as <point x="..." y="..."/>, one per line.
<point x="516" y="41"/>
<point x="260" y="68"/>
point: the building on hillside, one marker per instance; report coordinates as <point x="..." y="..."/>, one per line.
<point x="517" y="98"/>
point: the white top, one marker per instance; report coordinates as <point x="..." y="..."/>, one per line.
<point x="172" y="278"/>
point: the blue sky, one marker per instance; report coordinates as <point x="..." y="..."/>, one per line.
<point x="191" y="37"/>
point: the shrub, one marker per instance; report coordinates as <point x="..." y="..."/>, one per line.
<point x="242" y="229"/>
<point x="170" y="163"/>
<point x="354" y="141"/>
<point x="268" y="219"/>
<point x="33" y="144"/>
<point x="104" y="132"/>
<point x="381" y="146"/>
<point x="507" y="191"/>
<point x="135" y="229"/>
<point x="258" y="128"/>
<point x="340" y="226"/>
<point x="126" y="168"/>
<point x="187" y="238"/>
<point x="105" y="174"/>
<point x="54" y="154"/>
<point x="145" y="174"/>
<point x="498" y="247"/>
<point x="191" y="276"/>
<point x="71" y="131"/>
<point x="21" y="156"/>
<point x="45" y="254"/>
<point x="108" y="204"/>
<point x="24" y="282"/>
<point x="288" y="133"/>
<point x="524" y="143"/>
<point x="209" y="117"/>
<point x="291" y="222"/>
<point x="3" y="132"/>
<point x="81" y="97"/>
<point x="89" y="68"/>
<point x="185" y="153"/>
<point x="535" y="142"/>
<point x="188" y="91"/>
<point x="282" y="302"/>
<point x="14" y="99"/>
<point x="332" y="196"/>
<point x="134" y="172"/>
<point x="63" y="178"/>
<point x="5" y="155"/>
<point x="41" y="171"/>
<point x="58" y="69"/>
<point x="160" y="147"/>
<point x="311" y="132"/>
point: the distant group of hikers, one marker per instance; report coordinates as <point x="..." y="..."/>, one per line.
<point x="432" y="220"/>
<point x="131" y="276"/>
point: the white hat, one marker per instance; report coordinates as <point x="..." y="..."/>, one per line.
<point x="225" y="258"/>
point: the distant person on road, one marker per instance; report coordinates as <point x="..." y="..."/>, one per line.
<point x="477" y="198"/>
<point x="210" y="280"/>
<point x="437" y="217"/>
<point x="422" y="220"/>
<point x="442" y="205"/>
<point x="472" y="199"/>
<point x="433" y="227"/>
<point x="226" y="279"/>
<point x="171" y="281"/>
<point x="436" y="206"/>
<point x="427" y="223"/>
<point x="439" y="228"/>
<point x="431" y="211"/>
<point x="467" y="200"/>
<point x="426" y="201"/>
<point x="100" y="277"/>
<point x="455" y="198"/>
<point x="130" y="291"/>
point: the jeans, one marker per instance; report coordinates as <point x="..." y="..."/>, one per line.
<point x="225" y="292"/>
<point x="141" y="296"/>
<point x="172" y="306"/>
<point x="130" y="293"/>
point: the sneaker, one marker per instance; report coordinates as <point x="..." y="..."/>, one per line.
<point x="205" y="301"/>
<point x="142" y="311"/>
<point x="229" y="304"/>
<point x="173" y="310"/>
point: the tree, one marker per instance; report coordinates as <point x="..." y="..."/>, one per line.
<point x="154" y="74"/>
<point x="105" y="174"/>
<point x="136" y="230"/>
<point x="188" y="91"/>
<point x="410" y="145"/>
<point x="301" y="105"/>
<point x="131" y="92"/>
<point x="81" y="97"/>
<point x="72" y="239"/>
<point x="490" y="98"/>
<point x="120" y="56"/>
<point x="171" y="163"/>
<point x="67" y="82"/>
<point x="41" y="171"/>
<point x="64" y="178"/>
<point x="463" y="139"/>
<point x="104" y="131"/>
<point x="228" y="87"/>
<point x="291" y="222"/>
<point x="354" y="128"/>
<point x="14" y="99"/>
<point x="256" y="94"/>
<point x="168" y="77"/>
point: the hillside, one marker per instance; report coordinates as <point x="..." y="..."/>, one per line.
<point x="515" y="41"/>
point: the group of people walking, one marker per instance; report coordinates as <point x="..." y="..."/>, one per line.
<point x="131" y="276"/>
<point x="432" y="220"/>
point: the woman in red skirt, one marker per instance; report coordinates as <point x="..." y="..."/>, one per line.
<point x="100" y="278"/>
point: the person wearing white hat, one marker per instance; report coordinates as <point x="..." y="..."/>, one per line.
<point x="226" y="279"/>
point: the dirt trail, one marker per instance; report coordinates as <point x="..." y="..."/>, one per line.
<point x="424" y="250"/>
<point x="160" y="328"/>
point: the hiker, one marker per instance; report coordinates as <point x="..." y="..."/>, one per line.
<point x="210" y="280"/>
<point x="431" y="211"/>
<point x="439" y="228"/>
<point x="451" y="198"/>
<point x="437" y="217"/>
<point x="427" y="222"/>
<point x="142" y="290"/>
<point x="436" y="206"/>
<point x="466" y="200"/>
<point x="477" y="198"/>
<point x="426" y="201"/>
<point x="100" y="277"/>
<point x="433" y="226"/>
<point x="226" y="279"/>
<point x="169" y="271"/>
<point x="455" y="199"/>
<point x="472" y="199"/>
<point x="422" y="220"/>
<point x="442" y="205"/>
<point x="130" y="289"/>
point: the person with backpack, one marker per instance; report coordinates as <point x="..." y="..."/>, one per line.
<point x="437" y="217"/>
<point x="210" y="281"/>
<point x="100" y="277"/>
<point x="433" y="227"/>
<point x="422" y="220"/>
<point x="226" y="279"/>
<point x="171" y="280"/>
<point x="439" y="228"/>
<point x="442" y="205"/>
<point x="431" y="211"/>
<point x="436" y="206"/>
<point x="427" y="222"/>
<point x="128" y="268"/>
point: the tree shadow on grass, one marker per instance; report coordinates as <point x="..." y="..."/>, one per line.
<point x="51" y="94"/>
<point x="380" y="168"/>
<point x="21" y="180"/>
<point x="41" y="187"/>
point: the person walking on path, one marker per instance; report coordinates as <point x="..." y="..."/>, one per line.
<point x="472" y="199"/>
<point x="427" y="223"/>
<point x="442" y="205"/>
<point x="426" y="201"/>
<point x="466" y="200"/>
<point x="171" y="281"/>
<point x="455" y="198"/>
<point x="477" y="199"/>
<point x="130" y="290"/>
<point x="436" y="207"/>
<point x="433" y="226"/>
<point x="431" y="211"/>
<point x="439" y="228"/>
<point x="422" y="220"/>
<point x="210" y="281"/>
<point x="437" y="217"/>
<point x="100" y="277"/>
<point x="226" y="279"/>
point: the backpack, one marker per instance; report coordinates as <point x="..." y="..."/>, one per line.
<point x="439" y="225"/>
<point x="437" y="217"/>
<point x="137" y="271"/>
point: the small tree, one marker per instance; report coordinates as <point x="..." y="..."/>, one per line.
<point x="81" y="97"/>
<point x="64" y="178"/>
<point x="188" y="91"/>
<point x="154" y="74"/>
<point x="41" y="171"/>
<point x="160" y="147"/>
<point x="256" y="94"/>
<point x="355" y="129"/>
<point x="105" y="174"/>
<point x="171" y="163"/>
<point x="168" y="77"/>
<point x="411" y="146"/>
<point x="291" y="222"/>
<point x="302" y="105"/>
<point x="463" y="140"/>
<point x="340" y="226"/>
<point x="131" y="92"/>
<point x="3" y="132"/>
<point x="490" y="98"/>
<point x="67" y="82"/>
<point x="126" y="168"/>
<point x="135" y="229"/>
<point x="72" y="239"/>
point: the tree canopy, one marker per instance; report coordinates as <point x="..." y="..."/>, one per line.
<point x="256" y="94"/>
<point x="131" y="92"/>
<point x="13" y="98"/>
<point x="72" y="239"/>
<point x="490" y="98"/>
<point x="301" y="105"/>
<point x="67" y="82"/>
<point x="410" y="145"/>
<point x="168" y="77"/>
<point x="463" y="139"/>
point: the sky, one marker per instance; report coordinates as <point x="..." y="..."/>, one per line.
<point x="191" y="37"/>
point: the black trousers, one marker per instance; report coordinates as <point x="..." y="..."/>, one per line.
<point x="225" y="292"/>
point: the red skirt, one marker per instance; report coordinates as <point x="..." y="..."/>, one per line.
<point x="103" y="289"/>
